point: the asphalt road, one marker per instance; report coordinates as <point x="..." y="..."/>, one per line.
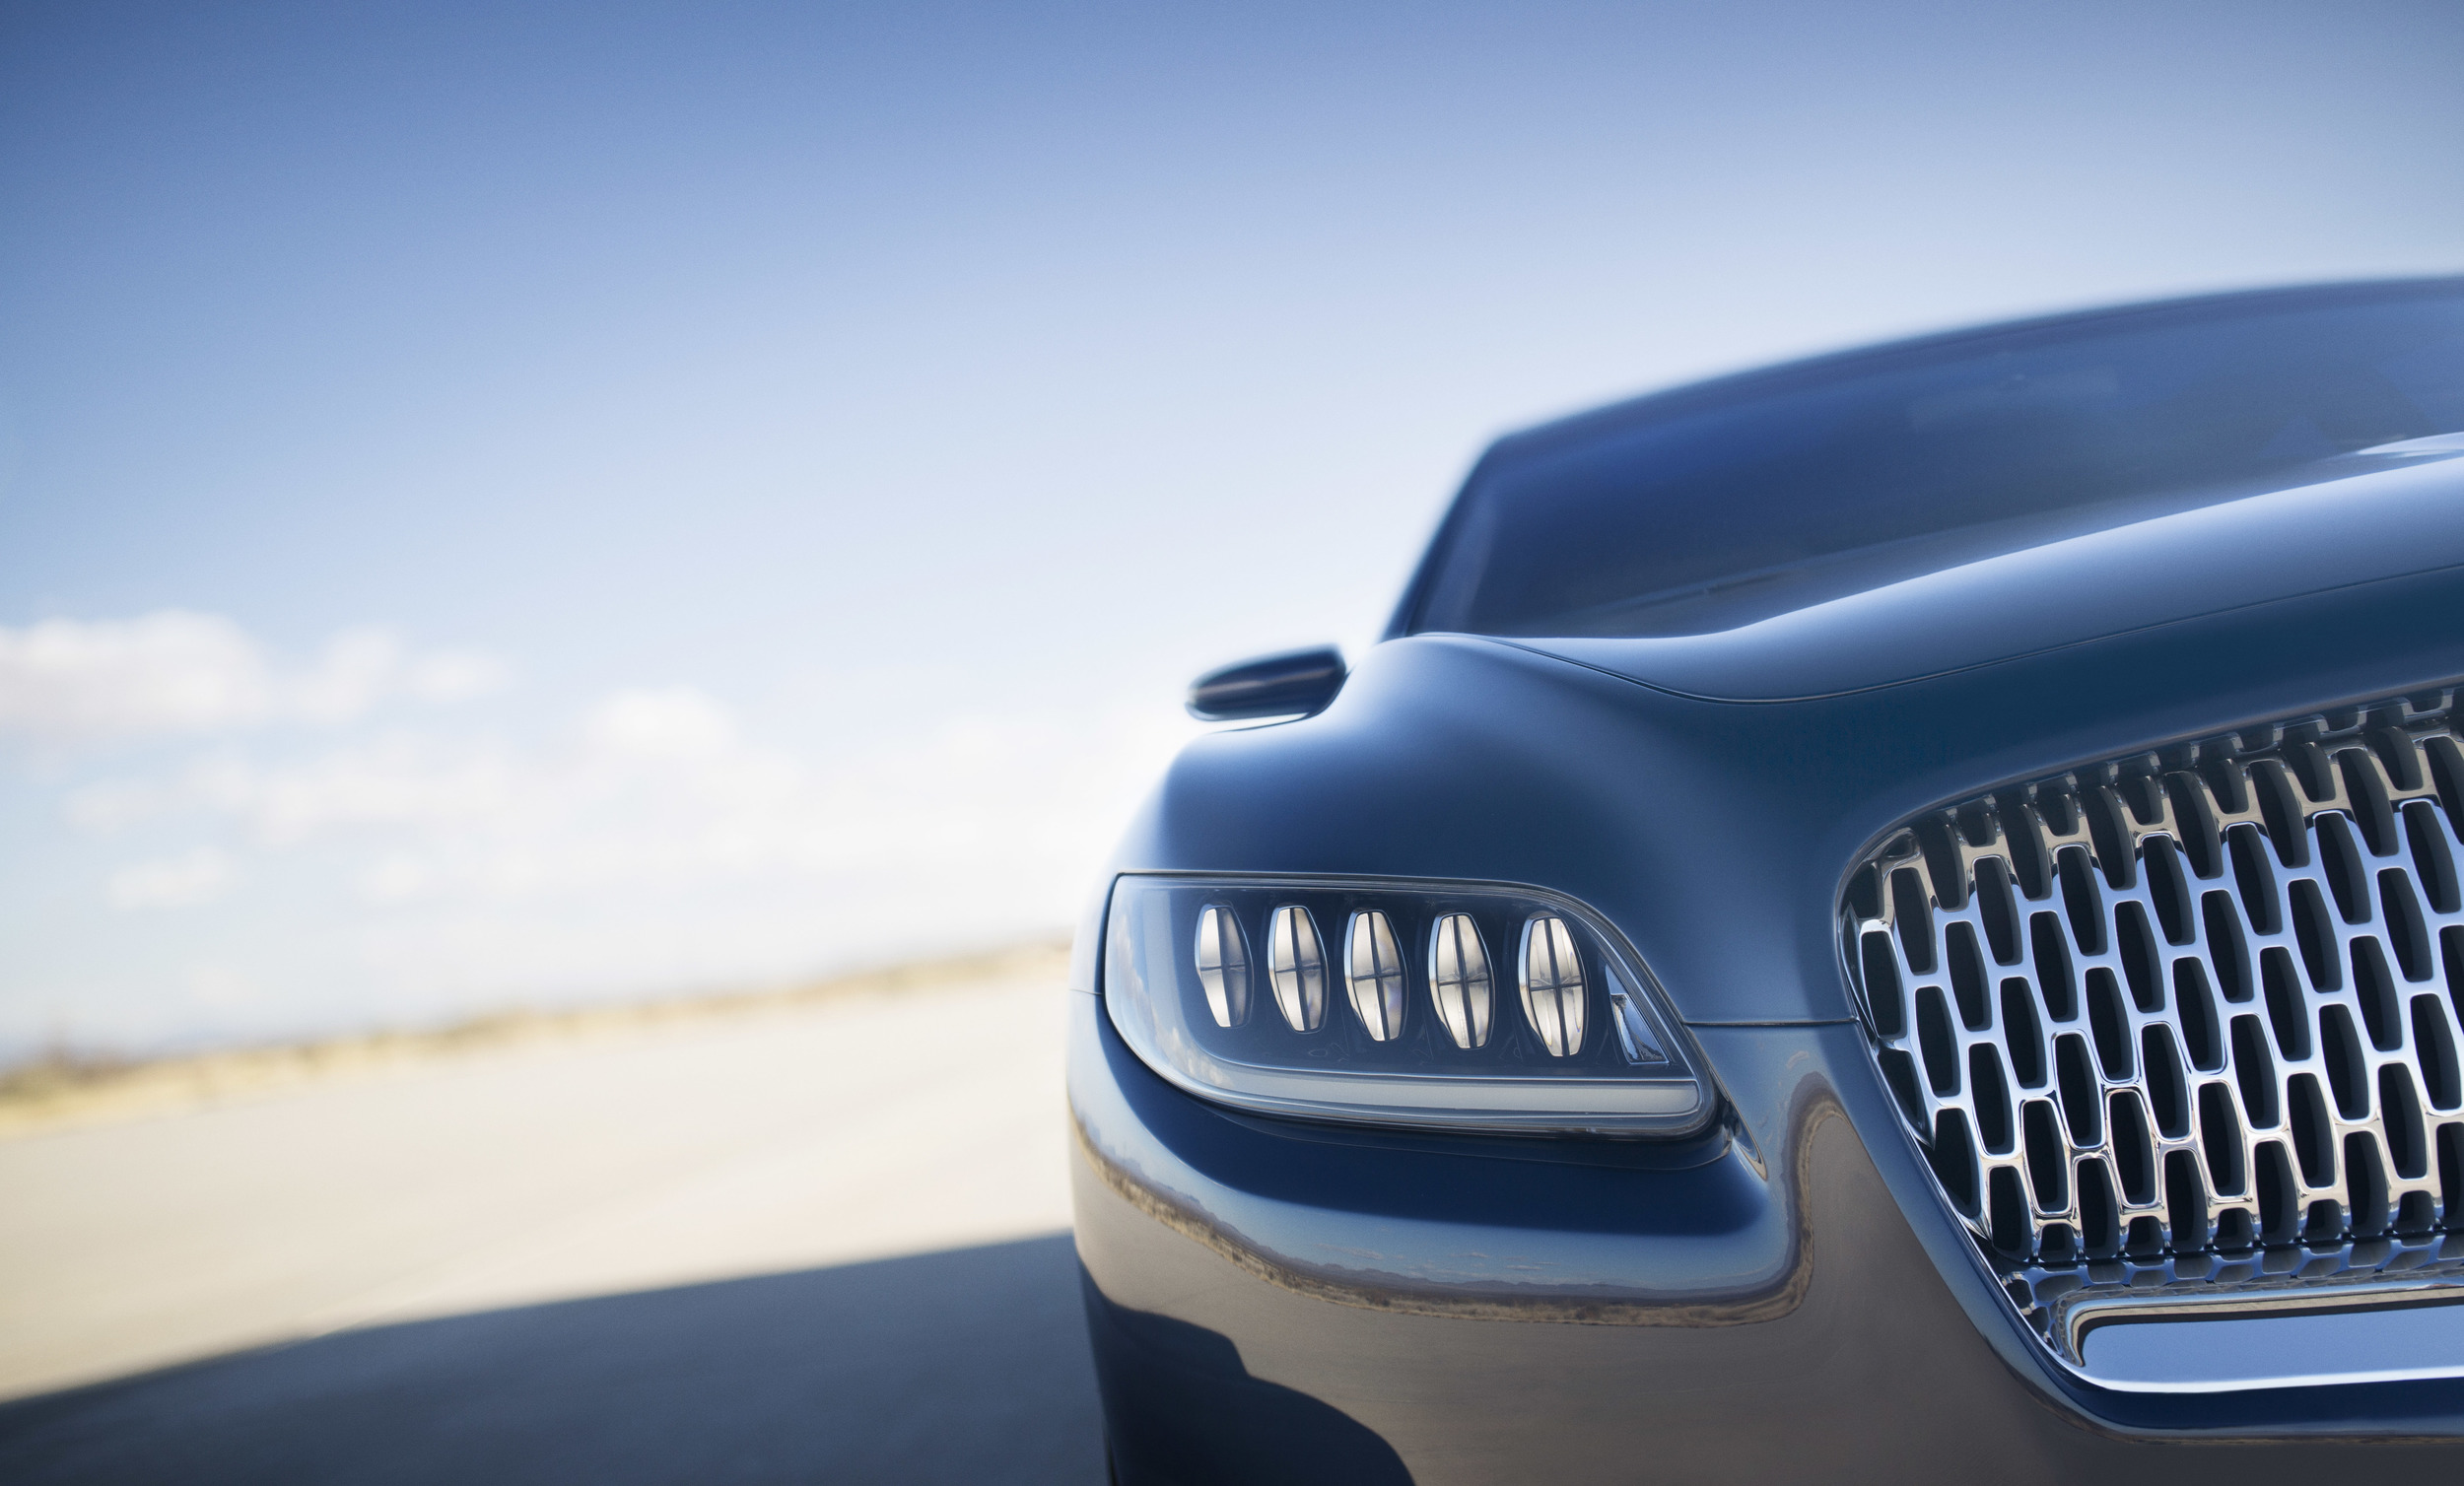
<point x="820" y="1246"/>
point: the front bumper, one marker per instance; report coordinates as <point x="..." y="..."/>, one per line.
<point x="1776" y="1301"/>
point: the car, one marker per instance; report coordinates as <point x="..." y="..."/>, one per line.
<point x="1894" y="917"/>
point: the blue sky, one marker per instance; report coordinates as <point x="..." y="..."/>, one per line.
<point x="506" y="504"/>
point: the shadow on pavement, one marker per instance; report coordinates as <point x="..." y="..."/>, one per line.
<point x="969" y="1366"/>
<point x="1188" y="1411"/>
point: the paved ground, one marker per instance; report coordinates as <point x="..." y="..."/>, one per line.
<point x="818" y="1246"/>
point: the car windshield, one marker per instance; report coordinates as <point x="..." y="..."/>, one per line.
<point x="1715" y="505"/>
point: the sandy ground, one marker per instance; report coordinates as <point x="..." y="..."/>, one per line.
<point x="854" y="1209"/>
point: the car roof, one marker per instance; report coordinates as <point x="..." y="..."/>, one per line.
<point x="1738" y="386"/>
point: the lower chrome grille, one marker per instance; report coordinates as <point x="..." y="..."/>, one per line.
<point x="2191" y="1017"/>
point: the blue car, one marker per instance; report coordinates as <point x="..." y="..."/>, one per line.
<point x="1891" y="919"/>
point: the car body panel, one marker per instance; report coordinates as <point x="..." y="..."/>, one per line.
<point x="1836" y="1344"/>
<point x="2211" y="559"/>
<point x="1786" y="1296"/>
<point x="1462" y="756"/>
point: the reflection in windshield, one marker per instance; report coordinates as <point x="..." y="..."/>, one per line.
<point x="1714" y="506"/>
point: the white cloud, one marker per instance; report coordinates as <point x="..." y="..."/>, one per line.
<point x="361" y="667"/>
<point x="114" y="804"/>
<point x="222" y="988"/>
<point x="661" y="788"/>
<point x="657" y="842"/>
<point x="397" y="782"/>
<point x="172" y="882"/>
<point x="397" y="877"/>
<point x="67" y="681"/>
<point x="349" y="677"/>
<point x="70" y="683"/>
<point x="454" y="676"/>
<point x="675" y="722"/>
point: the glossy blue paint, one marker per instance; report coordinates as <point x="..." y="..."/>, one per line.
<point x="2210" y="560"/>
<point x="1713" y="507"/>
<point x="1786" y="1297"/>
<point x="1271" y="686"/>
<point x="1465" y="757"/>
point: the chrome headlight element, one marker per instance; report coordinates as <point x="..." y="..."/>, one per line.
<point x="1298" y="968"/>
<point x="1223" y="965"/>
<point x="1459" y="979"/>
<point x="1552" y="984"/>
<point x="1374" y="973"/>
<point x="1417" y="1040"/>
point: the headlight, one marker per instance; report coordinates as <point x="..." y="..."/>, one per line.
<point x="1405" y="1003"/>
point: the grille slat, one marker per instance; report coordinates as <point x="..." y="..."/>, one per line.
<point x="2167" y="1007"/>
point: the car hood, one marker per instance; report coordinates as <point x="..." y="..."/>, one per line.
<point x="2401" y="516"/>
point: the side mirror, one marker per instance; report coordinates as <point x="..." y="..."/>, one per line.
<point x="1293" y="683"/>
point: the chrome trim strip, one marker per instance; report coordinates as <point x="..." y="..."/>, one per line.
<point x="2084" y="1311"/>
<point x="2274" y="1341"/>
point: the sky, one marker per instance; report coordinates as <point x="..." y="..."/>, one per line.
<point x="524" y="503"/>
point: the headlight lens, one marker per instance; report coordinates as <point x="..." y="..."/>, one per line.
<point x="1408" y="1003"/>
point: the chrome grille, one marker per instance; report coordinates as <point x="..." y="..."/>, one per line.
<point x="2157" y="1020"/>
